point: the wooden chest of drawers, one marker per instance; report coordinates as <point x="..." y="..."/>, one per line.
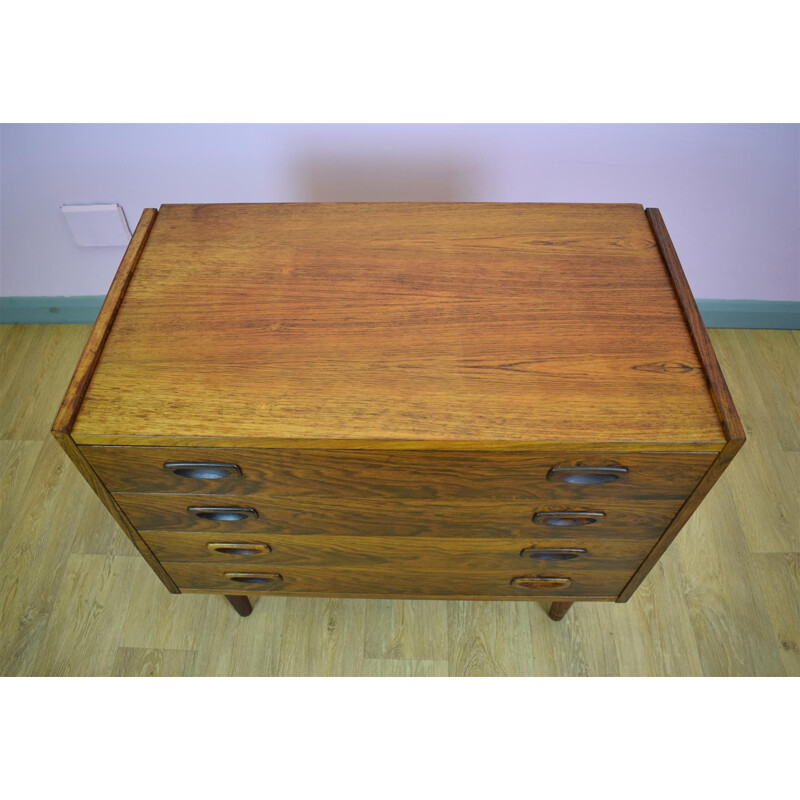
<point x="497" y="401"/>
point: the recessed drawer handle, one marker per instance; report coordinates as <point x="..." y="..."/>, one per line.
<point x="541" y="583"/>
<point x="254" y="577"/>
<point x="567" y="519"/>
<point x="205" y="470"/>
<point x="584" y="476"/>
<point x="223" y="513"/>
<point x="553" y="553"/>
<point x="239" y="549"/>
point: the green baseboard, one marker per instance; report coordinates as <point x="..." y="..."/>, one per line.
<point x="50" y="309"/>
<point x="716" y="313"/>
<point x="778" y="314"/>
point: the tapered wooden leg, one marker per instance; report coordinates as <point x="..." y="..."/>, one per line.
<point x="558" y="610"/>
<point x="241" y="603"/>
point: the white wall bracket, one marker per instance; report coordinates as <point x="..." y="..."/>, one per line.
<point x="97" y="225"/>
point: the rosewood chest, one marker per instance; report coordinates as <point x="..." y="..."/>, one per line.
<point x="488" y="401"/>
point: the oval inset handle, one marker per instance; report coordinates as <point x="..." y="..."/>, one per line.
<point x="584" y="476"/>
<point x="567" y="519"/>
<point x="254" y="577"/>
<point x="239" y="549"/>
<point x="541" y="583"/>
<point x="223" y="513"/>
<point x="204" y="470"/>
<point x="553" y="553"/>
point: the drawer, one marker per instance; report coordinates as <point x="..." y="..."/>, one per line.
<point x="548" y="583"/>
<point x="407" y="474"/>
<point x="412" y="553"/>
<point x="643" y="519"/>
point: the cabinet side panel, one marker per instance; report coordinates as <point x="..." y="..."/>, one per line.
<point x="77" y="458"/>
<point x="729" y="418"/>
<point x="686" y="511"/>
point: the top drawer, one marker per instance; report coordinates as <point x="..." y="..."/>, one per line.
<point x="410" y="474"/>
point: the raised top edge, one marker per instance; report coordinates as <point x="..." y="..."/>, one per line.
<point x="728" y="415"/>
<point x="65" y="418"/>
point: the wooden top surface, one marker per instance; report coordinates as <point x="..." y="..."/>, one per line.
<point x="400" y="324"/>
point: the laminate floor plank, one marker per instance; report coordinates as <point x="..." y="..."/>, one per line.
<point x="34" y="553"/>
<point x="489" y="638"/>
<point x="99" y="533"/>
<point x="403" y="668"/>
<point x="23" y="351"/>
<point x="793" y="462"/>
<point x="223" y="643"/>
<point x="242" y="646"/>
<point x="407" y="629"/>
<point x="17" y="460"/>
<point x="774" y="358"/>
<point x="45" y="367"/>
<point x="779" y="578"/>
<point x="323" y="636"/>
<point x="726" y="607"/>
<point x="159" y="620"/>
<point x="88" y="613"/>
<point x="766" y="501"/>
<point x="581" y="644"/>
<point x="760" y="366"/>
<point x="652" y="632"/>
<point x="75" y="598"/>
<point x="141" y="662"/>
<point x="11" y="337"/>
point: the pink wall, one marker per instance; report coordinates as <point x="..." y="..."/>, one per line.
<point x="730" y="194"/>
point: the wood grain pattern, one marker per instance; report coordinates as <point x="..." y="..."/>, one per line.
<point x="401" y="552"/>
<point x="373" y="582"/>
<point x="728" y="415"/>
<point x="414" y="322"/>
<point x="427" y="475"/>
<point x="640" y="519"/>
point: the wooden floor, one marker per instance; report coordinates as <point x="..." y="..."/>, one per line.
<point x="75" y="598"/>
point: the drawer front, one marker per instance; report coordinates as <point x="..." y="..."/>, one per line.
<point x="526" y="582"/>
<point x="414" y="553"/>
<point x="420" y="474"/>
<point x="645" y="519"/>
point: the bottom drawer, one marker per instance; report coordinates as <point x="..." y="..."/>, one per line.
<point x="543" y="582"/>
